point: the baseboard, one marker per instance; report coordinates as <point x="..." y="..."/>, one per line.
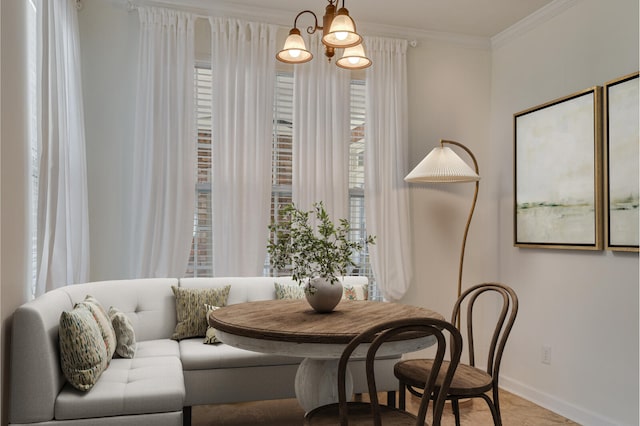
<point x="566" y="409"/>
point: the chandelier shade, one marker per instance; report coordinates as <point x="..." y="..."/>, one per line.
<point x="354" y="58"/>
<point x="295" y="51"/>
<point x="342" y="32"/>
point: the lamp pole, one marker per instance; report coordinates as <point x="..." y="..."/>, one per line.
<point x="466" y="228"/>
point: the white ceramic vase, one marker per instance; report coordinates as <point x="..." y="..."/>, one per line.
<point x="322" y="295"/>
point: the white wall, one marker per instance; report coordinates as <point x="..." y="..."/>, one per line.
<point x="14" y="178"/>
<point x="583" y="304"/>
<point x="449" y="99"/>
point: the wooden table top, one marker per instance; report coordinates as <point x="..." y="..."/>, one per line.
<point x="296" y="322"/>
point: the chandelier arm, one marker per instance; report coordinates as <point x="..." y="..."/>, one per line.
<point x="311" y="28"/>
<point x="466" y="228"/>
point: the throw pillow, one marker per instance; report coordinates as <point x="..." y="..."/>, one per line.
<point x="125" y="336"/>
<point x="191" y="312"/>
<point x="289" y="291"/>
<point x="83" y="355"/>
<point x="210" y="335"/>
<point x="104" y="323"/>
<point x="355" y="292"/>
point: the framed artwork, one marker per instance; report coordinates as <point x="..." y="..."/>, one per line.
<point x="558" y="173"/>
<point x="622" y="154"/>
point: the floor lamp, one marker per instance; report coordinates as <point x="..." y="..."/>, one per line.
<point x="442" y="165"/>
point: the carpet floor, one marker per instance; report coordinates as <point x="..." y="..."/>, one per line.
<point x="516" y="411"/>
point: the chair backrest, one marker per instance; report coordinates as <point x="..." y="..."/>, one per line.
<point x="503" y="327"/>
<point x="414" y="327"/>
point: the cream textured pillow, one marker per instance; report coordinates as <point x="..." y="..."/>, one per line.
<point x="83" y="355"/>
<point x="191" y="312"/>
<point x="289" y="291"/>
<point x="210" y="335"/>
<point x="104" y="323"/>
<point x="125" y="335"/>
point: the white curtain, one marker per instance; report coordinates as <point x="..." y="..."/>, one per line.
<point x="386" y="193"/>
<point x="321" y="133"/>
<point x="164" y="156"/>
<point x="243" y="68"/>
<point x="63" y="220"/>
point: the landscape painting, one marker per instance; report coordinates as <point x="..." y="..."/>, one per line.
<point x="622" y="158"/>
<point x="557" y="173"/>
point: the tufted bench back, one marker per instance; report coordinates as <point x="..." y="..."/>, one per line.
<point x="149" y="303"/>
<point x="251" y="289"/>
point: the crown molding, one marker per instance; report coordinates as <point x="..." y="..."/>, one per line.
<point x="285" y="19"/>
<point x="474" y="42"/>
<point x="532" y="21"/>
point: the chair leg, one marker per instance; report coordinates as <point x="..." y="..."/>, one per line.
<point x="497" y="420"/>
<point x="456" y="410"/>
<point x="391" y="399"/>
<point x="496" y="403"/>
<point x="186" y="416"/>
<point x="402" y="397"/>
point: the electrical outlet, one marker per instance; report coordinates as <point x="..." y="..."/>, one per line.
<point x="545" y="357"/>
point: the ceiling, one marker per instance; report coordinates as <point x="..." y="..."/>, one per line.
<point x="479" y="18"/>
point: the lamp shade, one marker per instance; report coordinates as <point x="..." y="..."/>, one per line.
<point x="354" y="58"/>
<point x="342" y="32"/>
<point x="442" y="165"/>
<point x="295" y="51"/>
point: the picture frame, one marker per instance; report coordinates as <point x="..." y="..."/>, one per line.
<point x="621" y="163"/>
<point x="558" y="173"/>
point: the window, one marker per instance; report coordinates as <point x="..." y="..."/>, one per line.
<point x="200" y="260"/>
<point x="201" y="256"/>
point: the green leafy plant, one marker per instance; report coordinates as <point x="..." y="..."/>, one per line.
<point x="310" y="250"/>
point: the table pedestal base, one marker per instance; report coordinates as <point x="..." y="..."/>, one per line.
<point x="317" y="383"/>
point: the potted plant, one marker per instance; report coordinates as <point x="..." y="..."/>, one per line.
<point x="315" y="251"/>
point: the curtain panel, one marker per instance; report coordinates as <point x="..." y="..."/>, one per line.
<point x="321" y="133"/>
<point x="62" y="218"/>
<point x="164" y="145"/>
<point x="386" y="157"/>
<point x="243" y="66"/>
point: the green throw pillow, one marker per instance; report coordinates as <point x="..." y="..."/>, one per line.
<point x="289" y="291"/>
<point x="191" y="312"/>
<point x="83" y="355"/>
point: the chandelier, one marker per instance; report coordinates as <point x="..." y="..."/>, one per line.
<point x="338" y="32"/>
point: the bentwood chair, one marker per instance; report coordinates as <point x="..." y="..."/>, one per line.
<point x="468" y="381"/>
<point x="364" y="413"/>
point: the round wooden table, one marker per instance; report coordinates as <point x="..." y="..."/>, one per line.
<point x="291" y="327"/>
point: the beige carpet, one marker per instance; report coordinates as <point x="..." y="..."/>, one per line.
<point x="515" y="412"/>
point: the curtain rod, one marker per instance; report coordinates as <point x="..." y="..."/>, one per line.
<point x="133" y="6"/>
<point x="198" y="13"/>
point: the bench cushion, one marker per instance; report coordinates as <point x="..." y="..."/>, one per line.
<point x="195" y="355"/>
<point x="128" y="386"/>
<point x="158" y="347"/>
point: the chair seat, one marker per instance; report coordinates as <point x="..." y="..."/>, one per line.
<point x="467" y="380"/>
<point x="359" y="415"/>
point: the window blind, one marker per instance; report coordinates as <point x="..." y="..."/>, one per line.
<point x="201" y="256"/>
